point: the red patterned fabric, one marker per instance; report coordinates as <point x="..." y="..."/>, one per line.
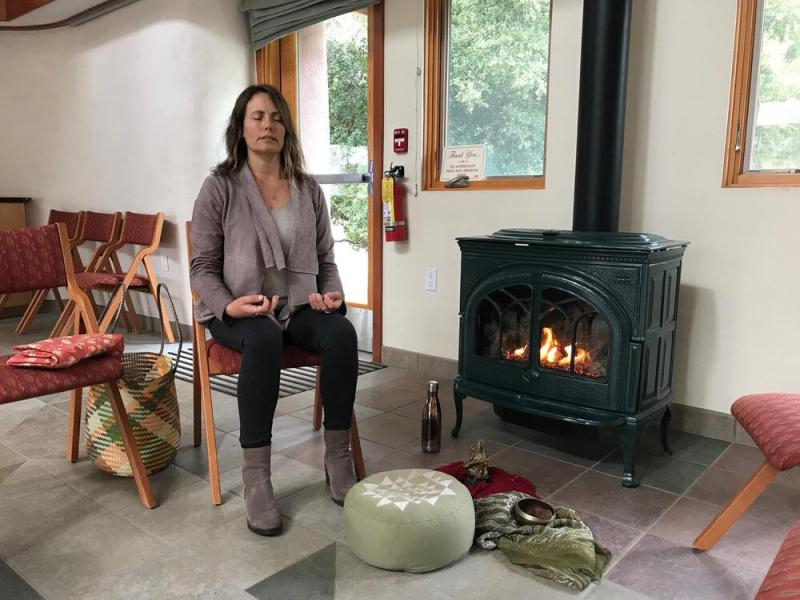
<point x="773" y="421"/>
<point x="783" y="578"/>
<point x="229" y="361"/>
<point x="19" y="384"/>
<point x="138" y="228"/>
<point x="499" y="481"/>
<point x="63" y="352"/>
<point x="31" y="259"/>
<point x="70" y="219"/>
<point x="91" y="280"/>
<point x="98" y="226"/>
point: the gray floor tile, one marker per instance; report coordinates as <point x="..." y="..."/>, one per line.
<point x="685" y="446"/>
<point x="14" y="587"/>
<point x="386" y="398"/>
<point x="604" y="495"/>
<point x="452" y="450"/>
<point x="313" y="578"/>
<point x="313" y="508"/>
<point x="660" y="471"/>
<point x="195" y="460"/>
<point x="614" y="536"/>
<point x="608" y="590"/>
<point x="661" y="569"/>
<point x="740" y="459"/>
<point x="362" y="412"/>
<point x="9" y="458"/>
<point x="584" y="450"/>
<point x="389" y="430"/>
<point x="21" y="479"/>
<point x="546" y="474"/>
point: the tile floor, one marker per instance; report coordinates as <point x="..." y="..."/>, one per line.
<point x="69" y="531"/>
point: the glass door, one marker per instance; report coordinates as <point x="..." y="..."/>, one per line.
<point x="332" y="106"/>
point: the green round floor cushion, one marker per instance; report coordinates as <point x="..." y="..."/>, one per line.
<point x="414" y="520"/>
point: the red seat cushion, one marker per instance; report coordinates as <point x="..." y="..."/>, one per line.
<point x="773" y="421"/>
<point x="229" y="361"/>
<point x="783" y="578"/>
<point x="90" y="280"/>
<point x="19" y="384"/>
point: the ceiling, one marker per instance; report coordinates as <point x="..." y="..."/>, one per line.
<point x="41" y="12"/>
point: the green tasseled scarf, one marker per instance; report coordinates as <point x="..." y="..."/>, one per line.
<point x="564" y="550"/>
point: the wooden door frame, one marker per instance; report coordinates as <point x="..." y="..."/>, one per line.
<point x="276" y="64"/>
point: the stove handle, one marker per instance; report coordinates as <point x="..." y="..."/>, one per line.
<point x="531" y="376"/>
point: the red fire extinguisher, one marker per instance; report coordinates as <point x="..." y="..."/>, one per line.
<point x="394" y="212"/>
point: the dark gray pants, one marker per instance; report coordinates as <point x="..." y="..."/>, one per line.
<point x="260" y="341"/>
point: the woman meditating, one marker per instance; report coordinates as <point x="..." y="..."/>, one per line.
<point x="264" y="271"/>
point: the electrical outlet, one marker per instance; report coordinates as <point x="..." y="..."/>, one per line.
<point x="430" y="278"/>
<point x="164" y="262"/>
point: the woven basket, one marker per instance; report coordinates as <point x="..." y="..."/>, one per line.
<point x="148" y="393"/>
<point x="151" y="404"/>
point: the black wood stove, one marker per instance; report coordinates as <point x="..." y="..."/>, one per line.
<point x="577" y="325"/>
<point x="572" y="325"/>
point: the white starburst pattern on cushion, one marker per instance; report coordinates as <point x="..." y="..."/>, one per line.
<point x="416" y="487"/>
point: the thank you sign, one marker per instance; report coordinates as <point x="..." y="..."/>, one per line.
<point x="463" y="160"/>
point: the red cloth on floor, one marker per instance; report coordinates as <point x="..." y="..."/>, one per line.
<point x="499" y="481"/>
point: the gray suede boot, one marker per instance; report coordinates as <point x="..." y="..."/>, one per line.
<point x="339" y="470"/>
<point x="263" y="517"/>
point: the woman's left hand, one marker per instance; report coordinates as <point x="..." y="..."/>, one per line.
<point x="325" y="303"/>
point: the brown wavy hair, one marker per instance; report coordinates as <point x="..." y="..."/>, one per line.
<point x="291" y="154"/>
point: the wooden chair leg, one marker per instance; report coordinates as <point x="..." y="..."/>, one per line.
<point x="3" y="299"/>
<point x="59" y="301"/>
<point x="130" y="309"/>
<point x="196" y="400"/>
<point x="738" y="504"/>
<point x="317" y="422"/>
<point x="162" y="306"/>
<point x="31" y="310"/>
<point x="64" y="320"/>
<point x="74" y="424"/>
<point x="131" y="447"/>
<point x="211" y="441"/>
<point x="355" y="448"/>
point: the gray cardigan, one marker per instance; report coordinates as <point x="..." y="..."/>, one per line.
<point x="234" y="238"/>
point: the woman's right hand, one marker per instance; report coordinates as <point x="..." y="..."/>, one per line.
<point x="251" y="306"/>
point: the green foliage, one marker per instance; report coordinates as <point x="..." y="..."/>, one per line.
<point x="497" y="76"/>
<point x="349" y="209"/>
<point x="347" y="90"/>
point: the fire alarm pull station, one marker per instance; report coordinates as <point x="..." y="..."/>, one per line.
<point x="401" y="140"/>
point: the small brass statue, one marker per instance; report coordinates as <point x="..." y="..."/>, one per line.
<point x="477" y="466"/>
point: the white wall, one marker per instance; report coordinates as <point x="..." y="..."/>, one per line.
<point x="737" y="330"/>
<point x="126" y="112"/>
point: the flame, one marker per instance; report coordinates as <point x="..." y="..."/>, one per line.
<point x="519" y="354"/>
<point x="551" y="353"/>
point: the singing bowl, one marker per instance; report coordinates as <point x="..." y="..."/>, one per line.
<point x="532" y="511"/>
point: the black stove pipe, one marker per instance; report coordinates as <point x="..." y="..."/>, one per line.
<point x="601" y="114"/>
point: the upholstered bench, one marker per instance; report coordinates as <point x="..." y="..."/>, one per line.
<point x="783" y="578"/>
<point x="773" y="422"/>
<point x="409" y="520"/>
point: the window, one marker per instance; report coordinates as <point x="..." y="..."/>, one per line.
<point x="763" y="145"/>
<point x="486" y="64"/>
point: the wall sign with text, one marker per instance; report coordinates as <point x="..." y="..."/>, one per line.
<point x="463" y="160"/>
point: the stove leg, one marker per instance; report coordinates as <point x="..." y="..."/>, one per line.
<point x="459" y="401"/>
<point x="664" y="426"/>
<point x="630" y="438"/>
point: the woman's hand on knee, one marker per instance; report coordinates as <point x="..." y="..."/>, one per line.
<point x="325" y="303"/>
<point x="251" y="306"/>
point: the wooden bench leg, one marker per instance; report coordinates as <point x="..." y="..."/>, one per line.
<point x="738" y="504"/>
<point x="211" y="440"/>
<point x="131" y="447"/>
<point x="197" y="394"/>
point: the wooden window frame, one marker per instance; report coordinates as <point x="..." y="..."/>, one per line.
<point x="432" y="131"/>
<point x="739" y="108"/>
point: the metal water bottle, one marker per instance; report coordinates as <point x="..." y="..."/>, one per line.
<point x="432" y="419"/>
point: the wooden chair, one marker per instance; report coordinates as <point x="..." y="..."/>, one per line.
<point x="53" y="268"/>
<point x="773" y="422"/>
<point x="137" y="230"/>
<point x="210" y="358"/>
<point x="74" y="222"/>
<point x="102" y="229"/>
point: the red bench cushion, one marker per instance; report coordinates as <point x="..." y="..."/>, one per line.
<point x="773" y="421"/>
<point x="19" y="384"/>
<point x="783" y="578"/>
<point x="229" y="361"/>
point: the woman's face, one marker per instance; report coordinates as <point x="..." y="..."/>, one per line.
<point x="263" y="129"/>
